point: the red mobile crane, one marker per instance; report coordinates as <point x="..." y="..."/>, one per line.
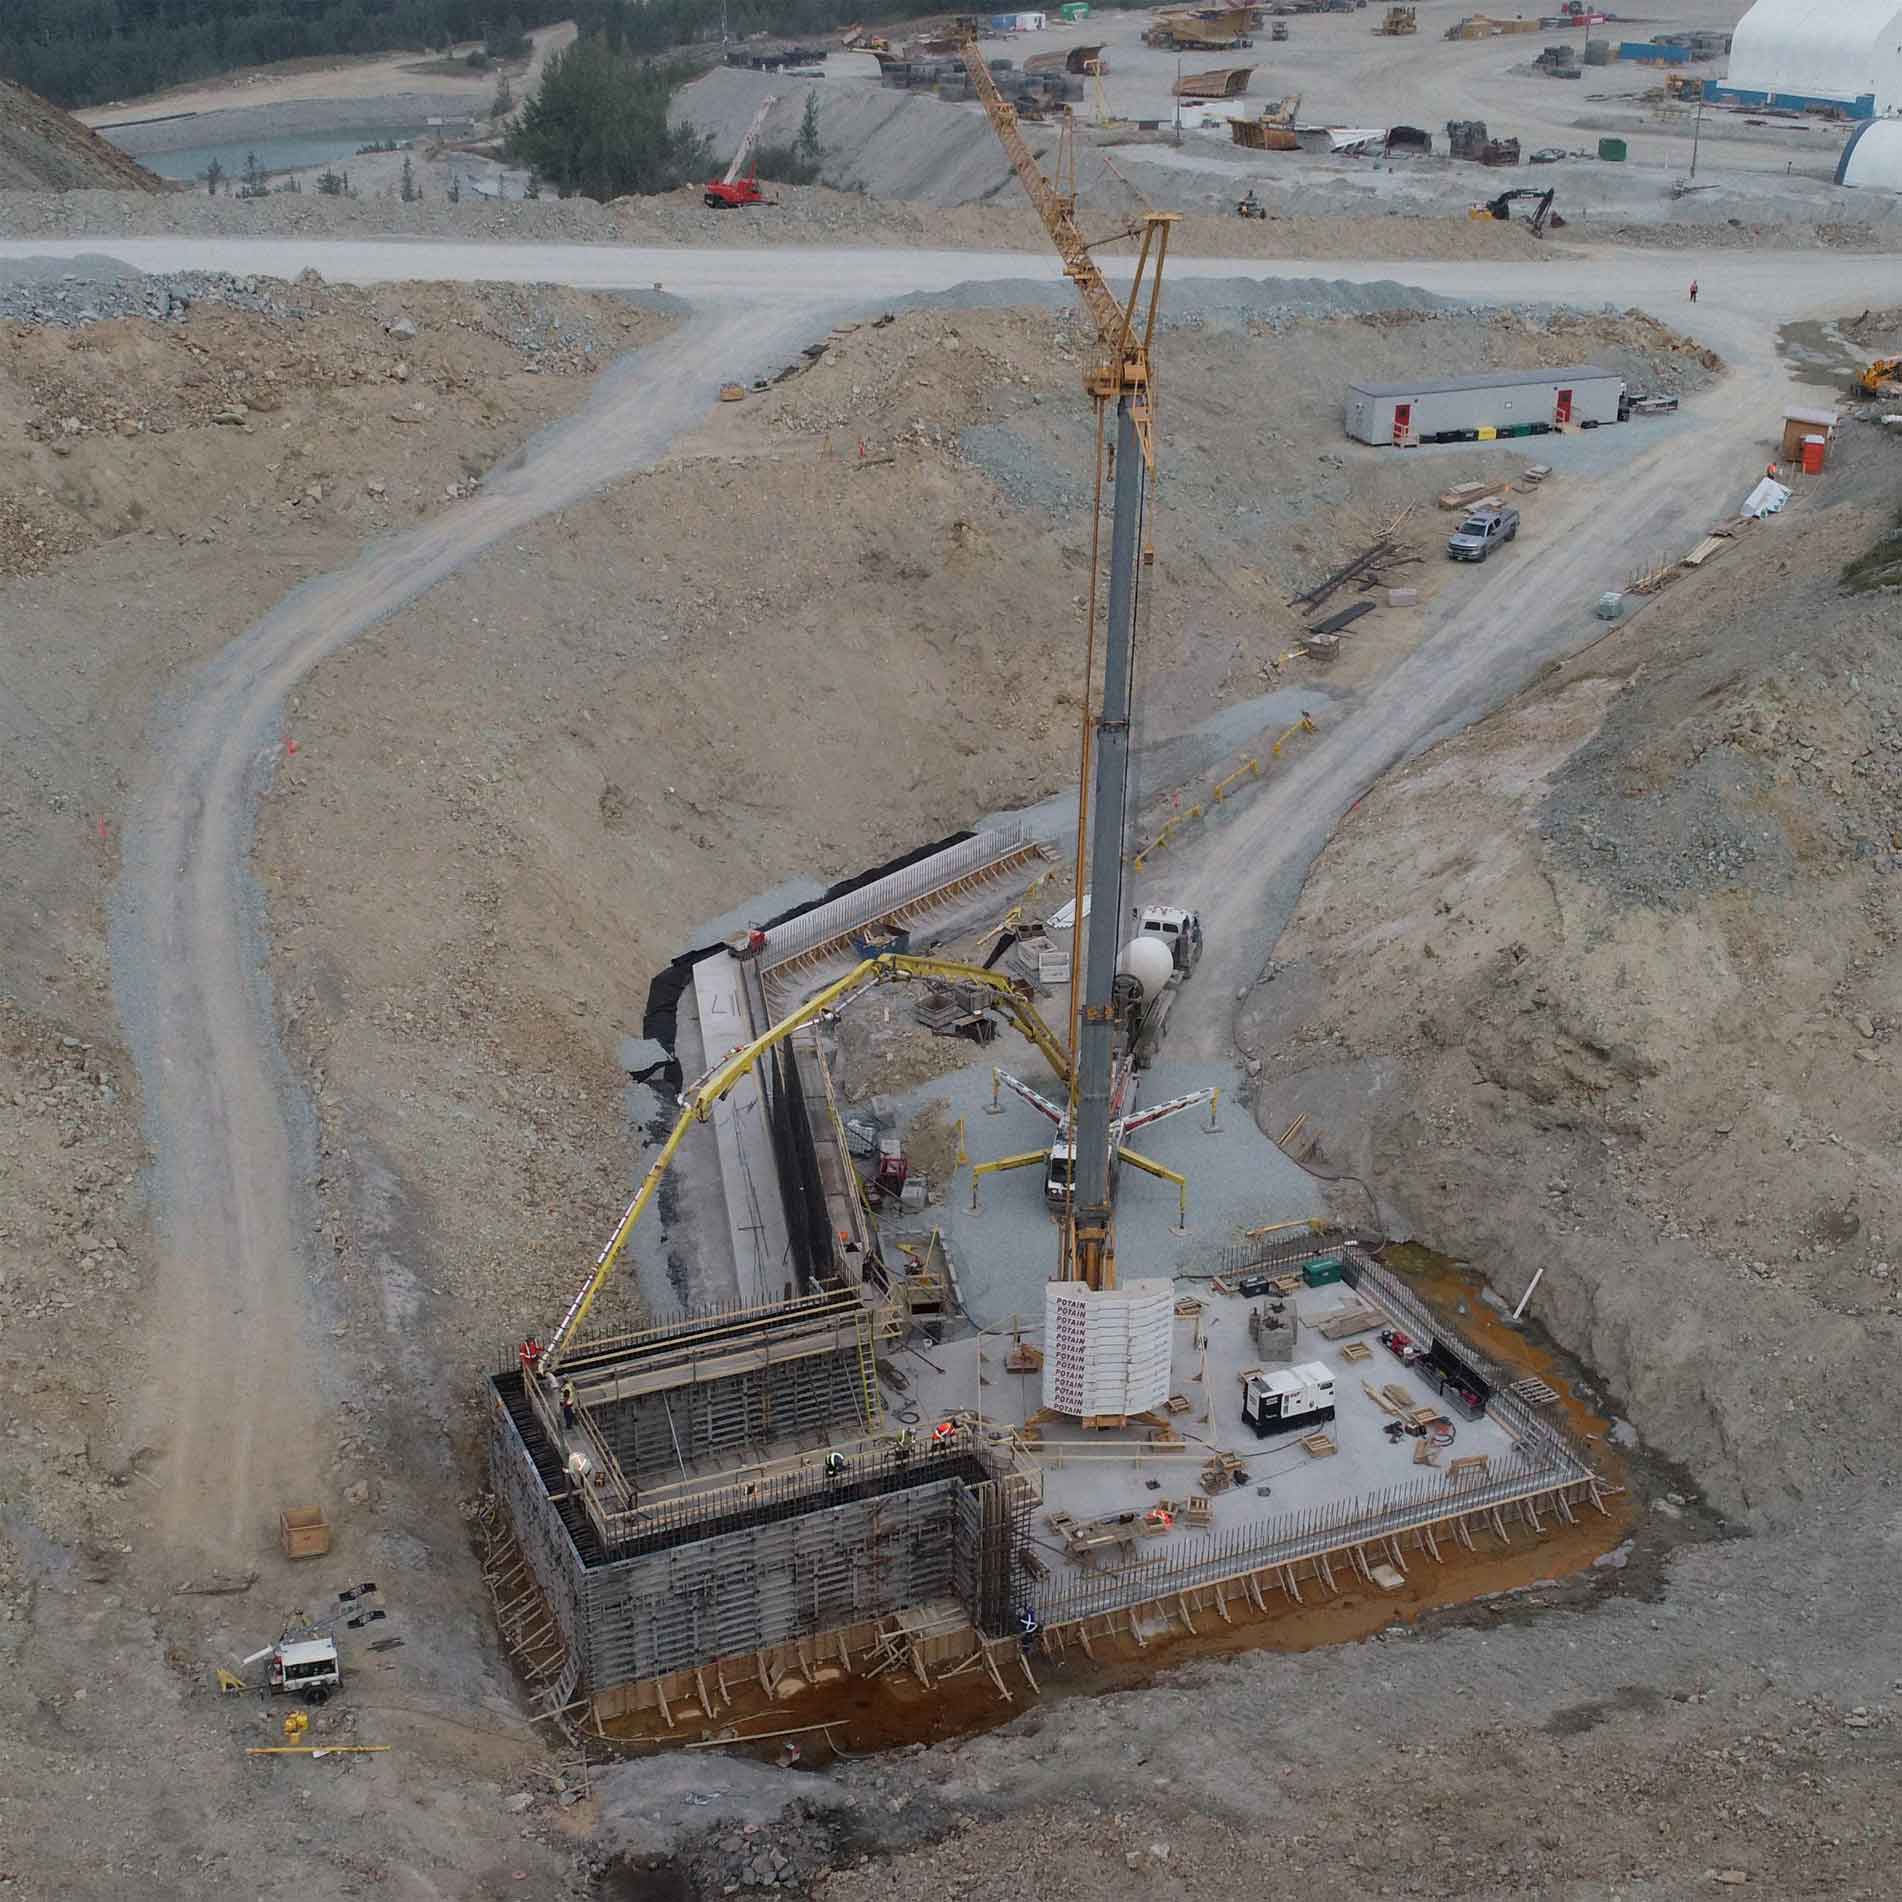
<point x="730" y="192"/>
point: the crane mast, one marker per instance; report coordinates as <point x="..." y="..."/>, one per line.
<point x="1119" y="378"/>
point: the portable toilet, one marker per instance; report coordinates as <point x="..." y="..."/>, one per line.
<point x="1814" y="450"/>
<point x="1799" y="426"/>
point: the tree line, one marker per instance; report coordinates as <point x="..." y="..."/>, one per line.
<point x="84" y="52"/>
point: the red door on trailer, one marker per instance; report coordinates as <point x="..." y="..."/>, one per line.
<point x="1564" y="414"/>
<point x="1402" y="423"/>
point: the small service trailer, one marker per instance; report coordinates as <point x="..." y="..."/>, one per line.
<point x="1280" y="1399"/>
<point x="1483" y="408"/>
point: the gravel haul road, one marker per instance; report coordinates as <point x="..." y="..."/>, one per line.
<point x="236" y="1387"/>
<point x="235" y="1390"/>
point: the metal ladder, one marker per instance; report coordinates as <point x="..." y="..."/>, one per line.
<point x="869" y="1403"/>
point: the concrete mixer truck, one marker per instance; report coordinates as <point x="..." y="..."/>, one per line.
<point x="1155" y="964"/>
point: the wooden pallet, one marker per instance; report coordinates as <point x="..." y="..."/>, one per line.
<point x="1357" y="1319"/>
<point x="1534" y="1392"/>
<point x="1357" y="1350"/>
<point x="1319" y="1446"/>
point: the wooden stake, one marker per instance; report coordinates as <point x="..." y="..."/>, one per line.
<point x="315" y="1750"/>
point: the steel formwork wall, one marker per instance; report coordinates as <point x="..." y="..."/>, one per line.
<point x="725" y="1417"/>
<point x="803" y="1563"/>
<point x="536" y="1522"/>
<point x="746" y="1590"/>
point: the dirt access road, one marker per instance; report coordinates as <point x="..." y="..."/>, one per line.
<point x="234" y="1158"/>
<point x="1529" y="604"/>
<point x="232" y="1139"/>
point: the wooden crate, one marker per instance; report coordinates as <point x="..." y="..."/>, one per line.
<point x="302" y="1532"/>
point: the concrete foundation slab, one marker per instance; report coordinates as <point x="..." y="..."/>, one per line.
<point x="1006" y="1249"/>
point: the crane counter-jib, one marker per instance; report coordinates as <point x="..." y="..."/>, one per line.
<point x="697" y="1103"/>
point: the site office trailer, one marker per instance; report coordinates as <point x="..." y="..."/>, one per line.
<point x="1522" y="402"/>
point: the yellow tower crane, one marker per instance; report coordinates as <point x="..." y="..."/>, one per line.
<point x="1119" y="379"/>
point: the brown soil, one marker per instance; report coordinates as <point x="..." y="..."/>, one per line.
<point x="45" y="149"/>
<point x="1634" y="1018"/>
<point x="893" y="658"/>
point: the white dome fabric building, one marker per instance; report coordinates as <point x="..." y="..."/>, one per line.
<point x="1873" y="157"/>
<point x="1818" y="52"/>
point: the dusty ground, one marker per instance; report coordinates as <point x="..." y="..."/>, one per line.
<point x="803" y="214"/>
<point x="504" y="809"/>
<point x="45" y="149"/>
<point x="1637" y="1005"/>
<point x="329" y="420"/>
<point x="562" y="815"/>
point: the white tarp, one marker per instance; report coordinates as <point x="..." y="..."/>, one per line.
<point x="1344" y="138"/>
<point x="1766" y="498"/>
<point x="1820" y="49"/>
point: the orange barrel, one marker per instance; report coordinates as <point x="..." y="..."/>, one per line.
<point x="1813" y="448"/>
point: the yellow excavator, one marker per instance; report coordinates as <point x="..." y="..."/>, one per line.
<point x="1881" y="378"/>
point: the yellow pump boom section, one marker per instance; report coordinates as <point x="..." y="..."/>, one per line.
<point x="697" y="1103"/>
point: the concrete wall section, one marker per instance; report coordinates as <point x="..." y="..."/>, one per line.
<point x="745" y="1590"/>
<point x="662" y="1431"/>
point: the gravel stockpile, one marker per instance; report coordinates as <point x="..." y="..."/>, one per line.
<point x="72" y="291"/>
<point x="46" y="150"/>
<point x="556" y="328"/>
<point x="1027" y="477"/>
<point x="1707" y="831"/>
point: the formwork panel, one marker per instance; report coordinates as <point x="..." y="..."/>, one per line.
<point x="792" y="1558"/>
<point x="746" y="1590"/>
<point x="675" y="1427"/>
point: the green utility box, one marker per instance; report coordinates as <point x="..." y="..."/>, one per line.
<point x="1323" y="1273"/>
<point x="1613" y="149"/>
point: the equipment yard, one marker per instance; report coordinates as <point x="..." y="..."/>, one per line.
<point x="961" y="1032"/>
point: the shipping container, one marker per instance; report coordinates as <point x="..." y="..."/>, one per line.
<point x="1456" y="408"/>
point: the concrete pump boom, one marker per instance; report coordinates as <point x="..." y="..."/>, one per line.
<point x="697" y="1102"/>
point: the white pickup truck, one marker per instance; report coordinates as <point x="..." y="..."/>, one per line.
<point x="1482" y="532"/>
